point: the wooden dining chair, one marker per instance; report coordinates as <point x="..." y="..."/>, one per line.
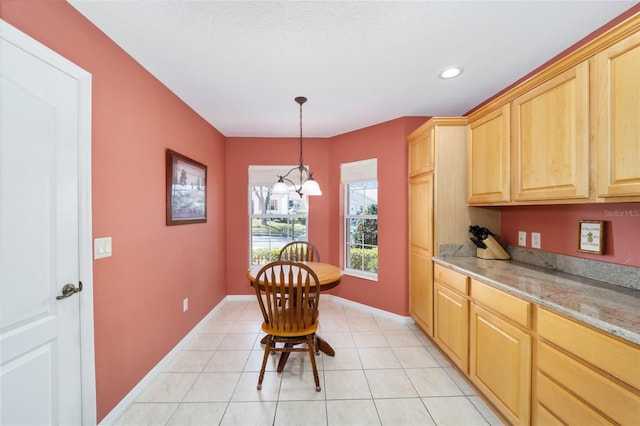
<point x="288" y="294"/>
<point x="300" y="251"/>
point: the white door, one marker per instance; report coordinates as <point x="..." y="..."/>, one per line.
<point x="42" y="238"/>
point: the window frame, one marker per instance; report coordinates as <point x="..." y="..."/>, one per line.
<point x="281" y="198"/>
<point x="346" y="241"/>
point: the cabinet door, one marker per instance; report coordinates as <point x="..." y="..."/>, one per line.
<point x="421" y="251"/>
<point x="421" y="290"/>
<point x="500" y="364"/>
<point x="489" y="158"/>
<point x="421" y="150"/>
<point x="617" y="71"/>
<point x="421" y="213"/>
<point x="451" y="324"/>
<point x="550" y="126"/>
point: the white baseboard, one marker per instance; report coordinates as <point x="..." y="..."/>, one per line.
<point x="241" y="297"/>
<point x="346" y="302"/>
<point x="375" y="311"/>
<point x="119" y="409"/>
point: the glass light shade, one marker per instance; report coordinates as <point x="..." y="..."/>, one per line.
<point x="280" y="188"/>
<point x="311" y="187"/>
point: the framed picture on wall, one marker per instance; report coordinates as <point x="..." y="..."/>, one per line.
<point x="186" y="190"/>
<point x="591" y="236"/>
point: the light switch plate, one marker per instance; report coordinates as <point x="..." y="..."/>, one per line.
<point x="101" y="247"/>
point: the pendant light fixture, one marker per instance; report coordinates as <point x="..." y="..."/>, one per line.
<point x="307" y="185"/>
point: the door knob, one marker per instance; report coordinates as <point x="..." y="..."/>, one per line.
<point x="69" y="290"/>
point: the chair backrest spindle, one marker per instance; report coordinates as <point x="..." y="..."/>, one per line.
<point x="300" y="251"/>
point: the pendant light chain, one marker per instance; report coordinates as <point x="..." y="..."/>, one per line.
<point x="301" y="100"/>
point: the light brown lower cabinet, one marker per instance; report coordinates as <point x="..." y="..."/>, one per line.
<point x="451" y="314"/>
<point x="500" y="364"/>
<point x="451" y="324"/>
<point x="556" y="406"/>
<point x="584" y="376"/>
<point x="573" y="393"/>
<point x="421" y="289"/>
<point x="534" y="366"/>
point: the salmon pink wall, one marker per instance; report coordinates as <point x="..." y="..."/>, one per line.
<point x="388" y="143"/>
<point x="240" y="154"/>
<point x="138" y="291"/>
<point x="558" y="226"/>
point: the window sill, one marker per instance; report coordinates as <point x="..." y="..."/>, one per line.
<point x="361" y="274"/>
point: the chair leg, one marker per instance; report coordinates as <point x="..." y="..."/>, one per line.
<point x="267" y="350"/>
<point x="310" y="341"/>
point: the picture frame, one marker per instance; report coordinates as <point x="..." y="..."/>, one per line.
<point x="591" y="236"/>
<point x="186" y="186"/>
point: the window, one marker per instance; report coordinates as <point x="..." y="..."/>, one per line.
<point x="274" y="219"/>
<point x="361" y="218"/>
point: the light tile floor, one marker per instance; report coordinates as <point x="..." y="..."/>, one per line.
<point x="384" y="372"/>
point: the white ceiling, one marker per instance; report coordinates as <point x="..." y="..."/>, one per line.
<point x="240" y="64"/>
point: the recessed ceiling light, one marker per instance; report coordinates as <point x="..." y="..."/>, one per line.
<point x="450" y="72"/>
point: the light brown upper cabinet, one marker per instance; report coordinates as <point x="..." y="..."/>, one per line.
<point x="489" y="158"/>
<point x="568" y="134"/>
<point x="617" y="120"/>
<point x="550" y="131"/>
<point x="421" y="150"/>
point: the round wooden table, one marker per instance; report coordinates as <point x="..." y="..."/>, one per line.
<point x="329" y="277"/>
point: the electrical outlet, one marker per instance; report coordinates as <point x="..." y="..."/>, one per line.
<point x="535" y="240"/>
<point x="185" y="305"/>
<point x="522" y="238"/>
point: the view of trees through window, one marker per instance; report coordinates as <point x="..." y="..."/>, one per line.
<point x="361" y="227"/>
<point x="275" y="220"/>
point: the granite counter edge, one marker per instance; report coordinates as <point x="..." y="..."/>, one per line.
<point x="580" y="317"/>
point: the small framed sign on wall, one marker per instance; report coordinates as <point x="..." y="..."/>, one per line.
<point x="591" y="236"/>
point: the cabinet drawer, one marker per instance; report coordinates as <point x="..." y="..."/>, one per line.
<point x="557" y="406"/>
<point x="451" y="279"/>
<point x="513" y="308"/>
<point x="614" y="401"/>
<point x="620" y="359"/>
<point x="545" y="417"/>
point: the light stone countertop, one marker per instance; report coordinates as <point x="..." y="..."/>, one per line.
<point x="610" y="308"/>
